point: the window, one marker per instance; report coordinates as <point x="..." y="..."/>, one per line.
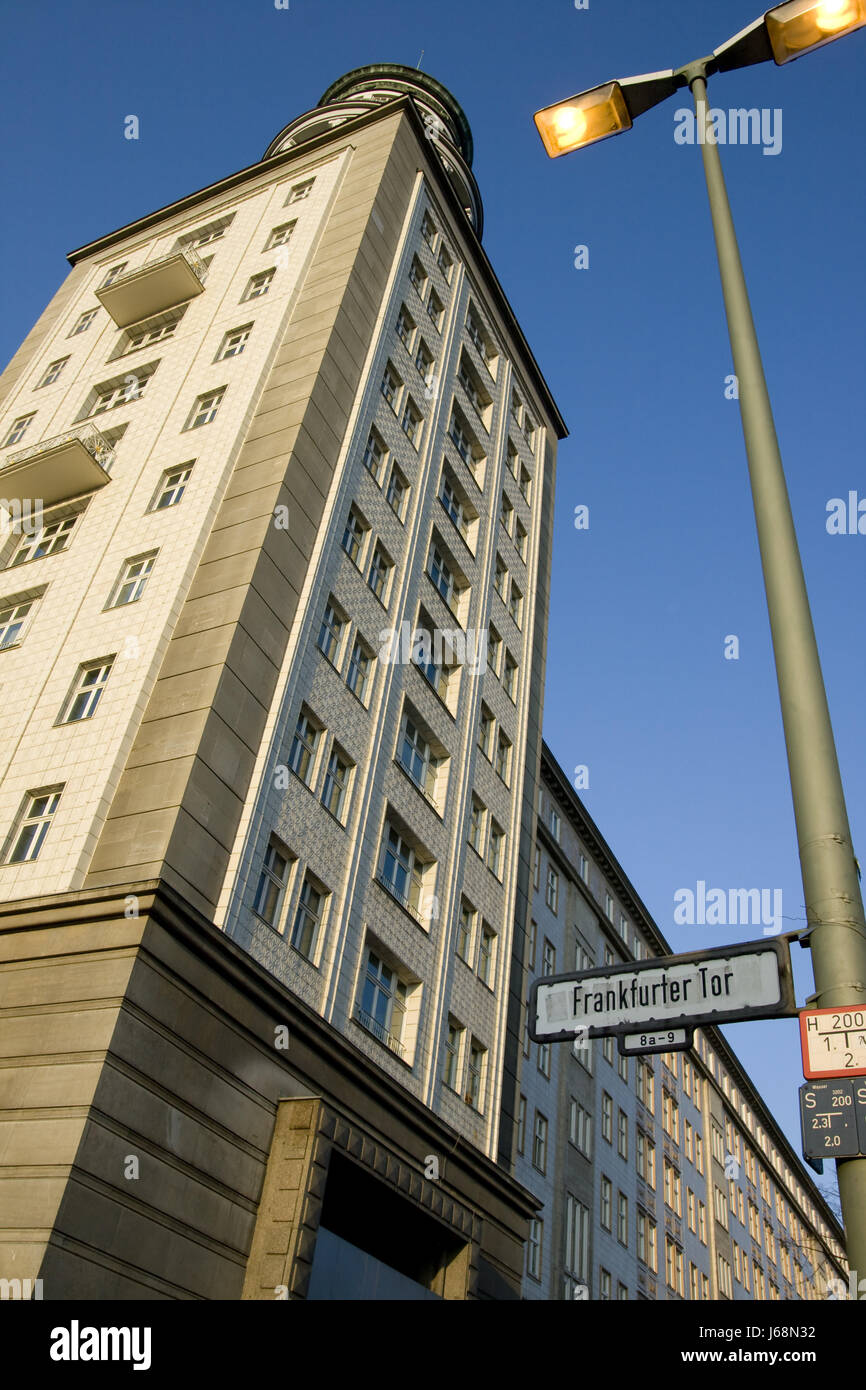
<point x="551" y="894"/>
<point x="521" y="1125"/>
<point x="259" y="285"/>
<point x="390" y="386"/>
<point x="451" y="1065"/>
<point x="576" y="1244"/>
<point x="472" y="387"/>
<point x="476" y="333"/>
<point x="623" y="927"/>
<point x="506" y="513"/>
<point x="583" y="867"/>
<point x="405" y="327"/>
<point x="83" y="323"/>
<point x="304" y="744"/>
<point x="401" y="872"/>
<point x="417" y="275"/>
<point x="461" y="439"/>
<point x="18" y="430"/>
<point x="330" y="632"/>
<point x="509" y="678"/>
<point x="132" y="580"/>
<point x="235" y="341"/>
<point x="414" y="754"/>
<point x="444" y="262"/>
<point x="308" y="918"/>
<point x="622" y="1066"/>
<point x="533" y="939"/>
<point x="622" y="1218"/>
<point x="428" y="229"/>
<point x="548" y="958"/>
<point x="608" y="907"/>
<point x="533" y="1249"/>
<point x="299" y="191"/>
<point x="336" y="786"/>
<point x="718" y="1145"/>
<point x="435" y="309"/>
<point x="622" y="1134"/>
<point x="33" y="824"/>
<point x="580" y="1127"/>
<point x="485" y="731"/>
<point x="86" y="692"/>
<point x="525" y="484"/>
<point x="516" y="408"/>
<point x="539" y="1143"/>
<point x="13" y="620"/>
<point x="670" y="1116"/>
<point x="172" y="487"/>
<point x="702" y="1223"/>
<point x="694" y="1282"/>
<point x="604" y="1285"/>
<point x="475" y="1075"/>
<point x="515" y="607"/>
<point x="281" y="236"/>
<point x="442" y="575"/>
<point x="674" y="1267"/>
<point x="605" y="1203"/>
<point x="647" y="1247"/>
<point x="699" y="1153"/>
<point x="720" y="1202"/>
<point x="476" y="825"/>
<point x="375" y="454"/>
<point x="424" y="362"/>
<point x="49" y="539"/>
<point x="646" y="1158"/>
<point x="272" y="882"/>
<point x="114" y="274"/>
<point x="520" y="539"/>
<point x="487" y="955"/>
<point x="672" y="1188"/>
<point x="205" y="408"/>
<point x="382" y="1008"/>
<point x="465" y="929"/>
<point x="120" y="391"/>
<point x="52" y="372"/>
<point x="725" y="1286"/>
<point x="544" y="1059"/>
<point x="353" y="536"/>
<point x="380" y="568"/>
<point x="397" y="489"/>
<point x="691" y="1212"/>
<point x="606" y="1118"/>
<point x="503" y="757"/>
<point x="496" y="849"/>
<point x="536" y="869"/>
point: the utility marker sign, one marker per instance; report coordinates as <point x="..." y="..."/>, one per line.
<point x="833" y="1042"/>
<point x="750" y="980"/>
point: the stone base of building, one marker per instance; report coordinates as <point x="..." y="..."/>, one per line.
<point x="175" y="1124"/>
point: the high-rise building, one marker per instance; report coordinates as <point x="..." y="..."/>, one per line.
<point x="279" y="467"/>
<point x="661" y="1176"/>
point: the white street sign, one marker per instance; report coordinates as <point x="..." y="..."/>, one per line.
<point x="833" y="1041"/>
<point x="749" y="980"/>
<point x="656" y="1040"/>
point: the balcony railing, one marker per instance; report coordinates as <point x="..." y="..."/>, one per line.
<point x="150" y="289"/>
<point x="58" y="469"/>
<point x="392" y="889"/>
<point x="379" y="1031"/>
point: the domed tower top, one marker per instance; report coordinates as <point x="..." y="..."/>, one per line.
<point x="445" y="123"/>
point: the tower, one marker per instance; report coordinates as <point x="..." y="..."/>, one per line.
<point x="279" y="468"/>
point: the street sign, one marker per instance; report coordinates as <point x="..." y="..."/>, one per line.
<point x="833" y="1042"/>
<point x="749" y="980"/>
<point x="668" y="1040"/>
<point x="833" y="1119"/>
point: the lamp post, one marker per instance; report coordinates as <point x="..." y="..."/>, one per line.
<point x="836" y="929"/>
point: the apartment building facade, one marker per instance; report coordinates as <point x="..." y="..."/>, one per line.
<point x="662" y="1177"/>
<point x="279" y="467"/>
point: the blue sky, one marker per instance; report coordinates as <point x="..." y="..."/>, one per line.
<point x="688" y="777"/>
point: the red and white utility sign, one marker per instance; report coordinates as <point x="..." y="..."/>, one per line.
<point x="833" y="1042"/>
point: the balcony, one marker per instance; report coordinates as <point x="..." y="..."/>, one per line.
<point x="160" y="284"/>
<point x="378" y="1031"/>
<point x="58" y="469"/>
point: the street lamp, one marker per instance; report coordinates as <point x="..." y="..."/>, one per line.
<point x="836" y="930"/>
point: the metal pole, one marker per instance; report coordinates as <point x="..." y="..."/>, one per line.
<point x="834" y="907"/>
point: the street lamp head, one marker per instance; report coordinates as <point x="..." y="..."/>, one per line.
<point x="583" y="119"/>
<point x="800" y="26"/>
